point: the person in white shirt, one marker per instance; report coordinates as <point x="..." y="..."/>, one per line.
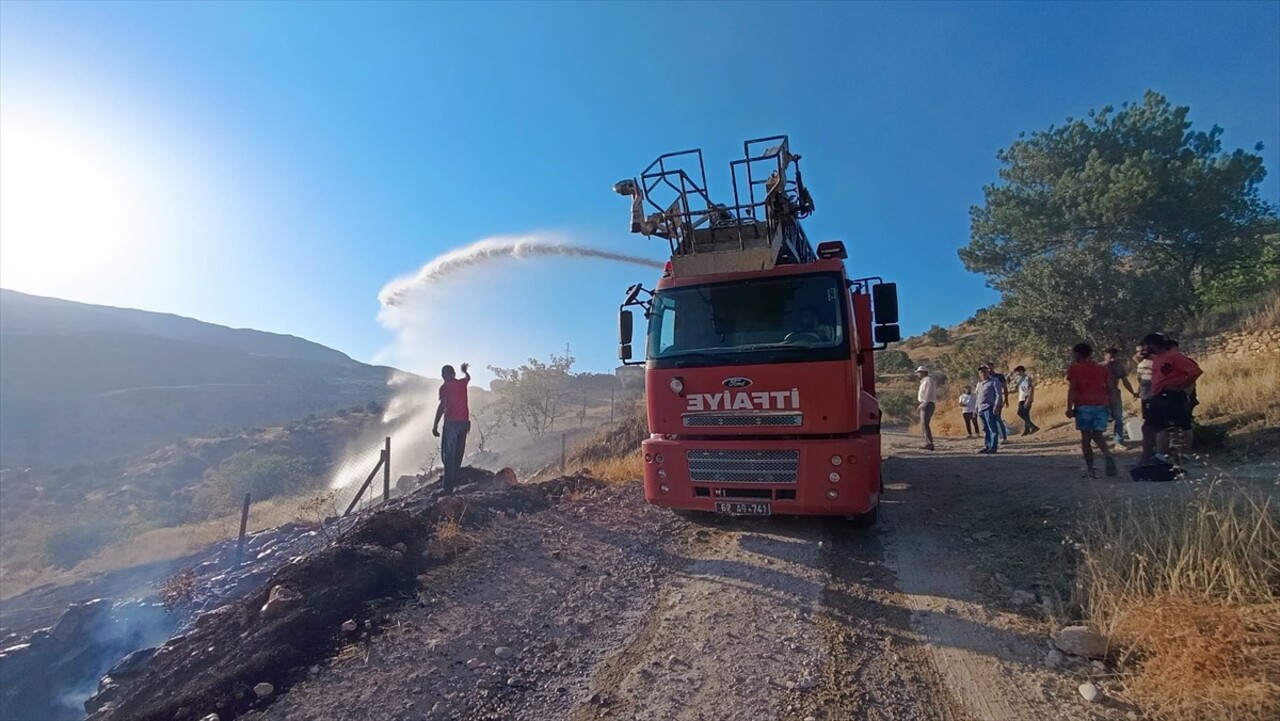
<point x="927" y="396"/>
<point x="1026" y="396"/>
<point x="969" y="407"/>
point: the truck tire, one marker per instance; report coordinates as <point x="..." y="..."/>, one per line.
<point x="866" y="520"/>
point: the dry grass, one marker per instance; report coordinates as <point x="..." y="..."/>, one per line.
<point x="1266" y="317"/>
<point x="623" y="469"/>
<point x="1189" y="590"/>
<point x="613" y="453"/>
<point x="1244" y="390"/>
<point x="1204" y="659"/>
<point x="448" y="538"/>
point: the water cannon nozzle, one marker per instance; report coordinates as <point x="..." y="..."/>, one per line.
<point x="626" y="187"/>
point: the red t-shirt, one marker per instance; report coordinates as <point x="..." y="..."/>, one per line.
<point x="1090" y="381"/>
<point x="453" y="394"/>
<point x="1172" y="370"/>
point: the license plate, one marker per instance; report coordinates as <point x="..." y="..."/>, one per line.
<point x="743" y="509"/>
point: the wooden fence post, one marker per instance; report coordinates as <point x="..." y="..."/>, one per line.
<point x="244" y="526"/>
<point x="386" y="471"/>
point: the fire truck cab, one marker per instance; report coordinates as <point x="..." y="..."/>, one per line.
<point x="757" y="347"/>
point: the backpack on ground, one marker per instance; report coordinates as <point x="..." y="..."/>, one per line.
<point x="1155" y="472"/>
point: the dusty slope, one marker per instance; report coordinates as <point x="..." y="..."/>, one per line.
<point x="603" y="607"/>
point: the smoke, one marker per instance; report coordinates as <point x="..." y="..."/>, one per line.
<point x="497" y="301"/>
<point x="493" y="249"/>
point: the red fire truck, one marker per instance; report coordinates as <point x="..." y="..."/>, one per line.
<point x="759" y="365"/>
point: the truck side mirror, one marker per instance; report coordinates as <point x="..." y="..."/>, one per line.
<point x="888" y="334"/>
<point x="625" y="323"/>
<point x="884" y="298"/>
<point x="625" y="331"/>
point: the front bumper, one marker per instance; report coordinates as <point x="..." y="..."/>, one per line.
<point x="793" y="476"/>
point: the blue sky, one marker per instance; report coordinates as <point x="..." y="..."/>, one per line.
<point x="274" y="165"/>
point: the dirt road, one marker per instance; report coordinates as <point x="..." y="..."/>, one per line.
<point x="604" y="607"/>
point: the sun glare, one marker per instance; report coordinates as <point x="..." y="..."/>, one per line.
<point x="66" y="208"/>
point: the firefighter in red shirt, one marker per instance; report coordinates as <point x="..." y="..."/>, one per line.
<point x="457" y="423"/>
<point x="1168" y="405"/>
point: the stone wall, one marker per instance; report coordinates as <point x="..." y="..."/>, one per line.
<point x="1238" y="344"/>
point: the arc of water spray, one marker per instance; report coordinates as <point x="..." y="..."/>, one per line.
<point x="484" y="251"/>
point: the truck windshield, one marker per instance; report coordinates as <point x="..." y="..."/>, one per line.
<point x="793" y="318"/>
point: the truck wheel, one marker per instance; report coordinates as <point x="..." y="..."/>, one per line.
<point x="866" y="520"/>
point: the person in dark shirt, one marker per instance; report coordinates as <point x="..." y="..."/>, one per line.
<point x="457" y="423"/>
<point x="998" y="377"/>
<point x="990" y="402"/>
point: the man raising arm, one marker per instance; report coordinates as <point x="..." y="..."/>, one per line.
<point x="457" y="423"/>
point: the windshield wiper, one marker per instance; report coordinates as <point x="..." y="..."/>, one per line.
<point x="686" y="359"/>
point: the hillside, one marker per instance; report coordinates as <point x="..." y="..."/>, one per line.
<point x="82" y="383"/>
<point x="57" y="518"/>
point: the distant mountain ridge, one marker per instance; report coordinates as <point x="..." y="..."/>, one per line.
<point x="81" y="382"/>
<point x="23" y="313"/>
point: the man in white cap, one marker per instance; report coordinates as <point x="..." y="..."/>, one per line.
<point x="927" y="396"/>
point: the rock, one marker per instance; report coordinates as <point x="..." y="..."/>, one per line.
<point x="349" y="626"/>
<point x="1090" y="692"/>
<point x="1054" y="658"/>
<point x="474" y="663"/>
<point x="1023" y="598"/>
<point x="1081" y="641"/>
<point x="280" y="600"/>
<point x="1001" y="579"/>
<point x="263" y="690"/>
<point x="504" y="652"/>
<point x="401" y="547"/>
<point x="212" y="717"/>
<point x="513" y="682"/>
<point x="132" y="666"/>
<point x="77" y="618"/>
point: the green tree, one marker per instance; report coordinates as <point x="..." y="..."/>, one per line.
<point x="937" y="334"/>
<point x="1125" y="222"/>
<point x="533" y="395"/>
<point x="894" y="361"/>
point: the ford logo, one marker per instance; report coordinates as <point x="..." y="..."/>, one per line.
<point x="737" y="382"/>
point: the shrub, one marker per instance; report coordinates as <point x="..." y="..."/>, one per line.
<point x="898" y="405"/>
<point x="937" y="335"/>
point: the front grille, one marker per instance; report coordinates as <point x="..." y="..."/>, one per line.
<point x="742" y="420"/>
<point x="743" y="466"/>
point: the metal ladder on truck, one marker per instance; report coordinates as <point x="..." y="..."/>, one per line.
<point x="758" y="231"/>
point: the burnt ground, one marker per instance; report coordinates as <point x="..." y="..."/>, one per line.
<point x="576" y="600"/>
